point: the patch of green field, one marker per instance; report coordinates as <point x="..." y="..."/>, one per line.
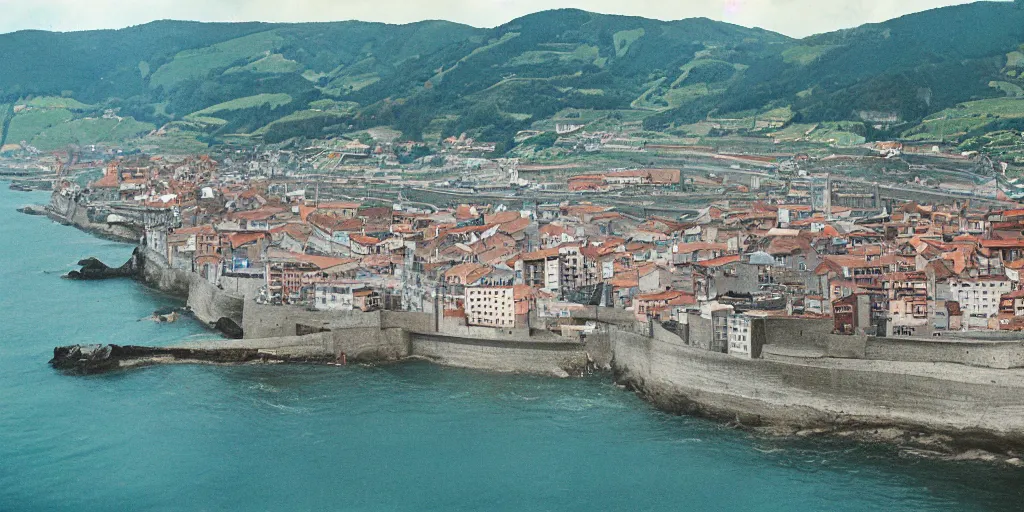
<point x="340" y="106"/>
<point x="301" y="115"/>
<point x="517" y="116"/>
<point x="582" y="53"/>
<point x="1012" y="90"/>
<point x="28" y="124"/>
<point x="206" y="120"/>
<point x="197" y="63"/>
<point x="645" y="101"/>
<point x="841" y="133"/>
<point x="1015" y="59"/>
<point x="591" y="118"/>
<point x="90" y="131"/>
<point x="695" y="64"/>
<point x="174" y="141"/>
<point x="957" y="121"/>
<point x="274" y="100"/>
<point x="804" y="55"/>
<point x="57" y="102"/>
<point x="273" y="63"/>
<point x="313" y="76"/>
<point x="1001" y="107"/>
<point x="625" y="38"/>
<point x="493" y="43"/>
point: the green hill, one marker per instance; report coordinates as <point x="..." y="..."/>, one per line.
<point x="435" y="78"/>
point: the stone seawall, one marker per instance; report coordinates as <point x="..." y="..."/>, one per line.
<point x="67" y="210"/>
<point x="501" y="355"/>
<point x="985" y="354"/>
<point x="397" y="335"/>
<point x="971" y="404"/>
<point x="210" y="304"/>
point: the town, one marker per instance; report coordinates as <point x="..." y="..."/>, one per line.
<point x="498" y="244"/>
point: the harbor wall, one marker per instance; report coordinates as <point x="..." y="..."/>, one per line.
<point x="66" y="209"/>
<point x="987" y="354"/>
<point x="828" y="393"/>
<point x="208" y="302"/>
<point x="523" y="356"/>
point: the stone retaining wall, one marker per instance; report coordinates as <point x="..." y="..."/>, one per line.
<point x="827" y="392"/>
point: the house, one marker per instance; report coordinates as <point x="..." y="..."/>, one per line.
<point x="979" y="297"/>
<point x="491" y="306"/>
<point x="746" y="334"/>
<point x="366" y="300"/>
<point x="1011" y="311"/>
<point x="658" y="305"/>
<point x="851" y="315"/>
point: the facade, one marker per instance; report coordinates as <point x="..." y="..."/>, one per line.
<point x="746" y="333"/>
<point x="978" y="297"/>
<point x="491" y="307"/>
<point x="333" y="297"/>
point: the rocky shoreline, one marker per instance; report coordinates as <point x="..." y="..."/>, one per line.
<point x="96" y="359"/>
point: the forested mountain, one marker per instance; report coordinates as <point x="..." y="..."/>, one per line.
<point x="431" y="79"/>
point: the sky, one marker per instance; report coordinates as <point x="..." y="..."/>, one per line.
<point x="795" y="18"/>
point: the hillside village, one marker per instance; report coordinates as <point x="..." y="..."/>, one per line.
<point x="897" y="270"/>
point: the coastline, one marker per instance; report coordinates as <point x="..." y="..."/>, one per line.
<point x="783" y="413"/>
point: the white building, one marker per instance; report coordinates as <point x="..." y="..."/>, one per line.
<point x="333" y="297"/>
<point x="491" y="306"/>
<point x="978" y="296"/>
<point x="741" y="335"/>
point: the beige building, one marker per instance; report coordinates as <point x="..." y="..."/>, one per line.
<point x="491" y="306"/>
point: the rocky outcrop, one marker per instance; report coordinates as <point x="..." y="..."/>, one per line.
<point x="92" y="359"/>
<point x="94" y="269"/>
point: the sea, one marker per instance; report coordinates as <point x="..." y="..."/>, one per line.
<point x="398" y="437"/>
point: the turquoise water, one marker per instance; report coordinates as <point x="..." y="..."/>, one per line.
<point x="403" y="437"/>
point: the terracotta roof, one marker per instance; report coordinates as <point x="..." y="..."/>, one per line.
<point x="364" y="240"/>
<point x="240" y="239"/>
<point x="718" y="262"/>
<point x="540" y="255"/>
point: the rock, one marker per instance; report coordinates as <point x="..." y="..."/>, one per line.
<point x="84" y="358"/>
<point x="560" y="373"/>
<point x="229" y="328"/>
<point x="93" y="269"/>
<point x="33" y="209"/>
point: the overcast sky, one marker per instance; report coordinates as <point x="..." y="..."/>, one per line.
<point x="791" y="17"/>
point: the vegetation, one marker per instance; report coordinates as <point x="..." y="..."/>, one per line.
<point x="905" y="77"/>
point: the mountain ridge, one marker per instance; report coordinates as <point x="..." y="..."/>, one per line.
<point x="435" y="78"/>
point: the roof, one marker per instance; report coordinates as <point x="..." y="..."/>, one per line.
<point x="667" y="295"/>
<point x="718" y="262"/>
<point x="364" y="240"/>
<point x="321" y="262"/>
<point x="541" y="254"/>
<point x="240" y="239"/>
<point x="1003" y="244"/>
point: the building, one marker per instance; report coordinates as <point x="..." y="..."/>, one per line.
<point x="492" y="306"/>
<point x="746" y="335"/>
<point x="333" y="297"/>
<point x="1011" y="311"/>
<point x="978" y="296"/>
<point x="852" y="314"/>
